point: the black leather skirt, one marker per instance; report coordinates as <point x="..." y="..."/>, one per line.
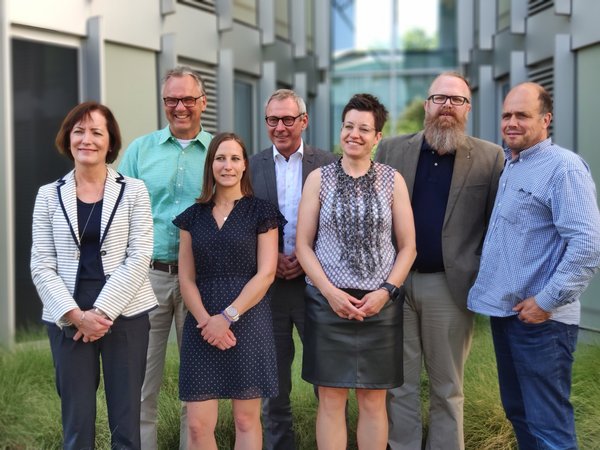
<point x="348" y="353"/>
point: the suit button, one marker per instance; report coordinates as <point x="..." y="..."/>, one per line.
<point x="107" y="277"/>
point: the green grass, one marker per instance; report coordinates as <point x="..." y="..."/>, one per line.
<point x="30" y="408"/>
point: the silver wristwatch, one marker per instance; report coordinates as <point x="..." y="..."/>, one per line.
<point x="232" y="313"/>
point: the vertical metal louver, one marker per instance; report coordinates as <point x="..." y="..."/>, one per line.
<point x="206" y="5"/>
<point x="543" y="74"/>
<point x="209" y="117"/>
<point x="536" y="6"/>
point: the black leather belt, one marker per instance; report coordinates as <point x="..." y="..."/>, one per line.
<point x="164" y="267"/>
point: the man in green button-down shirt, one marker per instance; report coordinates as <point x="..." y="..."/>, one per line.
<point x="171" y="163"/>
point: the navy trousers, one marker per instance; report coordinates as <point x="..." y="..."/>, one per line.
<point x="77" y="367"/>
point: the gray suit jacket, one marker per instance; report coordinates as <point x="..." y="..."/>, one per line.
<point x="262" y="170"/>
<point x="477" y="168"/>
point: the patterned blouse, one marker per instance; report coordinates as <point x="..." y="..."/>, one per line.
<point x="354" y="237"/>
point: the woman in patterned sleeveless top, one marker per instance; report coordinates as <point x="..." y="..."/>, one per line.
<point x="356" y="243"/>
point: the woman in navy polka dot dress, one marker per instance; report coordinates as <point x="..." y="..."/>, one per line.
<point x="227" y="261"/>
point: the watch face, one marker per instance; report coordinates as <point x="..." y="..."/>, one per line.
<point x="393" y="290"/>
<point x="232" y="312"/>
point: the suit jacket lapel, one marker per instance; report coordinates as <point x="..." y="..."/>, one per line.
<point x="67" y="197"/>
<point x="411" y="161"/>
<point x="268" y="173"/>
<point x="308" y="162"/>
<point x="113" y="191"/>
<point x="462" y="165"/>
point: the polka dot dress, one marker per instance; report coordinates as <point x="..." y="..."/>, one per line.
<point x="225" y="261"/>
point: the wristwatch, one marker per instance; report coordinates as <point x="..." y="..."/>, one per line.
<point x="232" y="313"/>
<point x="393" y="290"/>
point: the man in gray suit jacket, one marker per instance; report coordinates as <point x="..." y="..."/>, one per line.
<point x="278" y="174"/>
<point x="452" y="179"/>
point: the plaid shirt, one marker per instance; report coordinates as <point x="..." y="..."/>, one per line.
<point x="544" y="235"/>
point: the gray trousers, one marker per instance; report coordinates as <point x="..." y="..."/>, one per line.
<point x="171" y="307"/>
<point x="438" y="334"/>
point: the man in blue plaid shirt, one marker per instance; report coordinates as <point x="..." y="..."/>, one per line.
<point x="541" y="250"/>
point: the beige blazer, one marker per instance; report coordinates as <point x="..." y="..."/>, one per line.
<point x="477" y="168"/>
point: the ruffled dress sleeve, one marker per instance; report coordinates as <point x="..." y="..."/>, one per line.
<point x="185" y="220"/>
<point x="269" y="217"/>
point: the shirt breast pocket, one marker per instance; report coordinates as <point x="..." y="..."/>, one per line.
<point x="516" y="205"/>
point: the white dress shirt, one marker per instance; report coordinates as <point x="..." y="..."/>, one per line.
<point x="289" y="189"/>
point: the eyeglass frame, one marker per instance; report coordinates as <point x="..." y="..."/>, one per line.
<point x="363" y="130"/>
<point x="283" y="119"/>
<point x="449" y="97"/>
<point x="181" y="99"/>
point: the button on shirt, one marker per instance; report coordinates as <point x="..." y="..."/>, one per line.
<point x="544" y="235"/>
<point x="173" y="176"/>
<point x="289" y="189"/>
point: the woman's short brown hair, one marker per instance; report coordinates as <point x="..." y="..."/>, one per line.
<point x="208" y="183"/>
<point x="84" y="111"/>
<point x="368" y="103"/>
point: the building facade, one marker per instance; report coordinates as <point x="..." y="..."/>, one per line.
<point x="56" y="54"/>
<point x="553" y="42"/>
<point x="398" y="70"/>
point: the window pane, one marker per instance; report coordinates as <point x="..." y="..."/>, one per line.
<point x="282" y="22"/>
<point x="45" y="88"/>
<point x="309" y="25"/>
<point x="503" y="14"/>
<point x="245" y="11"/>
<point x="244" y="113"/>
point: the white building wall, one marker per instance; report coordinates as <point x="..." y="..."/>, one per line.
<point x="124" y="47"/>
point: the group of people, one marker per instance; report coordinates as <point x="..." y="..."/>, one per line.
<point x="379" y="265"/>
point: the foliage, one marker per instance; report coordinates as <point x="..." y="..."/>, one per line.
<point x="418" y="39"/>
<point x="30" y="407"/>
<point x="410" y="121"/>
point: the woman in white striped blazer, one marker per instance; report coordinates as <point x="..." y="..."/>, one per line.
<point x="92" y="245"/>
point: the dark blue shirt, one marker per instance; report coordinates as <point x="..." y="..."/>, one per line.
<point x="89" y="216"/>
<point x="429" y="200"/>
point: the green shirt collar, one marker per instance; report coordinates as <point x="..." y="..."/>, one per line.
<point x="203" y="138"/>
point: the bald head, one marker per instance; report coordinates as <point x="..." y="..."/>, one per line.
<point x="526" y="116"/>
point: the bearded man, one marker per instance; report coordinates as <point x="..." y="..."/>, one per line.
<point x="452" y="180"/>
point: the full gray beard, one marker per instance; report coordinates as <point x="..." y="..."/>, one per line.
<point x="444" y="139"/>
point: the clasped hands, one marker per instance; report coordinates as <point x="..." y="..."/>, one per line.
<point x="215" y="330"/>
<point x="288" y="267"/>
<point x="348" y="307"/>
<point x="91" y="326"/>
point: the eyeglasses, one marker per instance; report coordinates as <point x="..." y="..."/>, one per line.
<point x="363" y="130"/>
<point x="288" y="121"/>
<point x="188" y="102"/>
<point x="455" y="100"/>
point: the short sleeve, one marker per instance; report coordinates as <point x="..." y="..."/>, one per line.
<point x="269" y="217"/>
<point x="185" y="220"/>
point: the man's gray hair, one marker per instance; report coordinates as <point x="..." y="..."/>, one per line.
<point x="182" y="71"/>
<point x="282" y="94"/>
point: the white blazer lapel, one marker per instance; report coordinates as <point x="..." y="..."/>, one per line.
<point x="113" y="191"/>
<point x="67" y="197"/>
